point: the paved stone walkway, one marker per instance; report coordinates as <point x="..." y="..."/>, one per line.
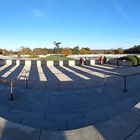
<point x="67" y="103"/>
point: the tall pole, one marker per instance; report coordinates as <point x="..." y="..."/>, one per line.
<point x="57" y="44"/>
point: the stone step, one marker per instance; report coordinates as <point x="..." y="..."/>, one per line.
<point x="67" y="121"/>
<point x="64" y="103"/>
<point x="69" y="109"/>
<point x="126" y="126"/>
<point x="120" y="127"/>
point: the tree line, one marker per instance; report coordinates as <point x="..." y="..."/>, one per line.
<point x="44" y="51"/>
<point x="67" y="51"/>
<point x="134" y="50"/>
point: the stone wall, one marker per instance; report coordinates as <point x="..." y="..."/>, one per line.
<point x="113" y="61"/>
<point x="47" y="62"/>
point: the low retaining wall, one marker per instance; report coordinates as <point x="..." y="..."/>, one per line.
<point x="120" y="62"/>
<point x="48" y="62"/>
<point x="62" y="63"/>
<point x="92" y="62"/>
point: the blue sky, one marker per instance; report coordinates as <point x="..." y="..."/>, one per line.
<point x="97" y="24"/>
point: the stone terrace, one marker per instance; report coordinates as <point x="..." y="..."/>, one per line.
<point x="71" y="102"/>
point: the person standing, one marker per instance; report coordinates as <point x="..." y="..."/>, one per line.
<point x="118" y="62"/>
<point x="101" y="59"/>
<point x="81" y="61"/>
<point x="104" y="59"/>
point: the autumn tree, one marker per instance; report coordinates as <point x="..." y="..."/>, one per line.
<point x="118" y="51"/>
<point x="5" y="52"/>
<point x="25" y="51"/>
<point x="38" y="51"/>
<point x="45" y="51"/>
<point x="0" y="51"/>
<point x="50" y="51"/>
<point x="75" y="50"/>
<point x="85" y="51"/>
<point x="66" y="51"/>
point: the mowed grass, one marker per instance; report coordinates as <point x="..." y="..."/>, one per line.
<point x="55" y="57"/>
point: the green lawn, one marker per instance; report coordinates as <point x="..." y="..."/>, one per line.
<point x="54" y="57"/>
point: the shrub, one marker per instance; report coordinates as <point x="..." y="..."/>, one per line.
<point x="134" y="60"/>
<point x="137" y="59"/>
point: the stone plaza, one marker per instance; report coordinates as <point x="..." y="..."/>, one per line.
<point x="70" y="103"/>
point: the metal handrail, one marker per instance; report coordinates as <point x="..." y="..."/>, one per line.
<point x="11" y="81"/>
<point x="120" y="75"/>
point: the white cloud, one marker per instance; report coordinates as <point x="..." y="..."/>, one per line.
<point x="120" y="9"/>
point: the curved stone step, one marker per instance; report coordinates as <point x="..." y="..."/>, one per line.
<point x="123" y="127"/>
<point x="67" y="121"/>
<point x="64" y="103"/>
<point x="120" y="127"/>
<point x="66" y="109"/>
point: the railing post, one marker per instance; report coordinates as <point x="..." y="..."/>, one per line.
<point x="26" y="82"/>
<point x="125" y="83"/>
<point x="11" y="90"/>
<point x="105" y="79"/>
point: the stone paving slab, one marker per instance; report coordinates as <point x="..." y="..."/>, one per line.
<point x="135" y="135"/>
<point x="87" y="133"/>
<point x="45" y="125"/>
<point x="12" y="131"/>
<point x="120" y="127"/>
<point x="125" y="126"/>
